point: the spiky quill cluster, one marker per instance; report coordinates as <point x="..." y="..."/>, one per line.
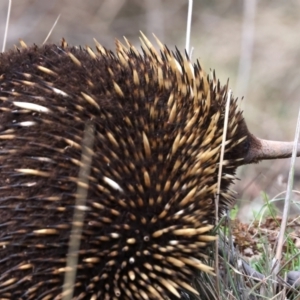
<point x="157" y="129"/>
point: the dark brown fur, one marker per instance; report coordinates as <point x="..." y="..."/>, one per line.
<point x="53" y="145"/>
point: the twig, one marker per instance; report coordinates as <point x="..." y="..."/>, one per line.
<point x="287" y="200"/>
<point x="6" y="25"/>
<point x="79" y="211"/>
<point x="188" y="28"/>
<point x="219" y="181"/>
<point x="53" y="26"/>
<point x="246" y="47"/>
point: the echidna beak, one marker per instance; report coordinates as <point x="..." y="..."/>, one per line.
<point x="263" y="149"/>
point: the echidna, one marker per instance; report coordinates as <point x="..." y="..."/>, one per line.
<point x="155" y="123"/>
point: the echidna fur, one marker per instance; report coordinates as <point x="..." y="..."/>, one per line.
<point x="158" y="124"/>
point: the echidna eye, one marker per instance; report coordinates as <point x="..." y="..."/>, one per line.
<point x="209" y="201"/>
<point x="246" y="145"/>
<point x="146" y="238"/>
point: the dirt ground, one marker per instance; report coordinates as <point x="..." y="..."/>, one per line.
<point x="254" y="43"/>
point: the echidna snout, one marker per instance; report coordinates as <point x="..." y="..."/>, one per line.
<point x="157" y="130"/>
